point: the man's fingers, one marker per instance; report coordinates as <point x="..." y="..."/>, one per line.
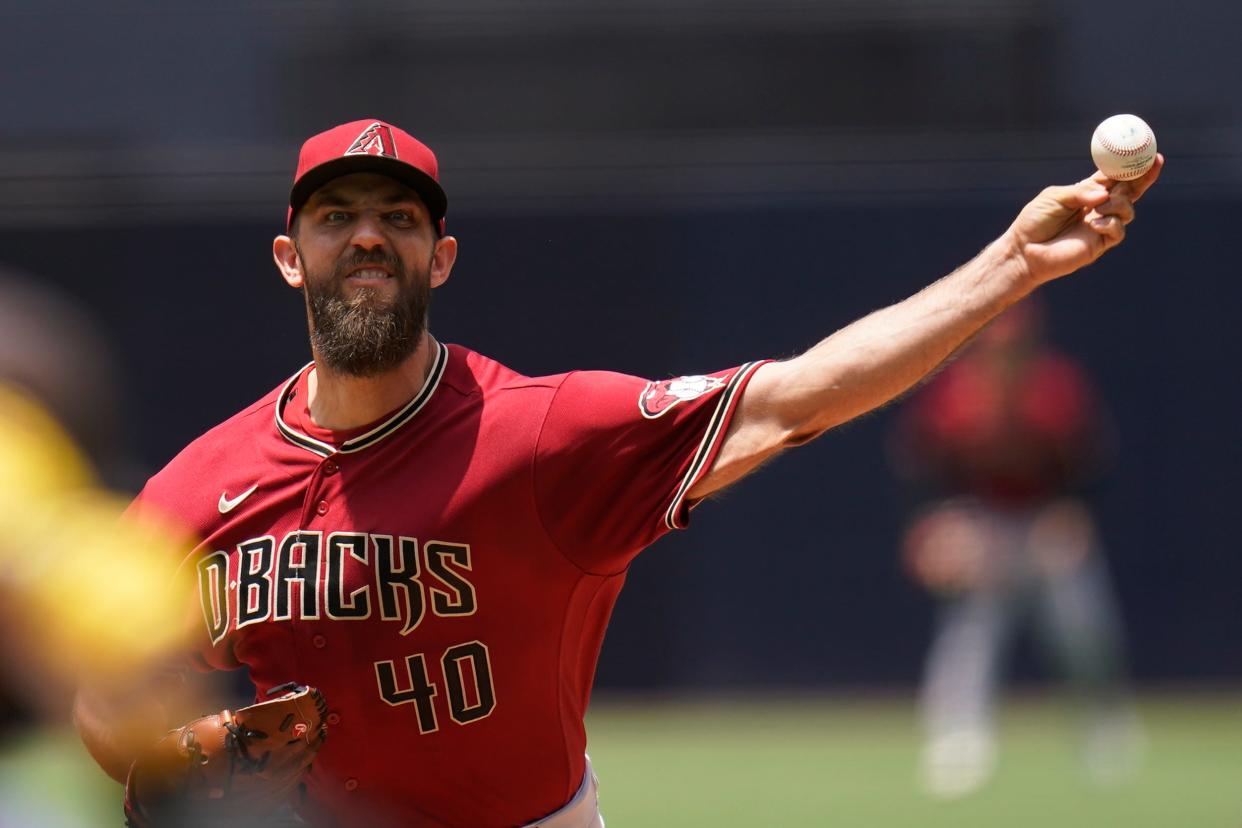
<point x="1110" y="228"/>
<point x="1123" y="194"/>
<point x="1122" y="208"/>
<point x="1132" y="189"/>
<point x="1088" y="193"/>
<point x="1143" y="184"/>
<point x="1101" y="179"/>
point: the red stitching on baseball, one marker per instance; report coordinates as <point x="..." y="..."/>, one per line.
<point x="1115" y="150"/>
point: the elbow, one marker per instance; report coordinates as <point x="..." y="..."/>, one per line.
<point x="799" y="413"/>
<point x="805" y="434"/>
<point x="802" y="426"/>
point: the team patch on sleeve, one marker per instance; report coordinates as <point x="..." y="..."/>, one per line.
<point x="658" y="398"/>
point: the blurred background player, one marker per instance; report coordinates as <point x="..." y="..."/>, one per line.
<point x="81" y="597"/>
<point x="1005" y="437"/>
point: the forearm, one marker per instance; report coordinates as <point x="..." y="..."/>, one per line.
<point x="115" y="730"/>
<point x="879" y="357"/>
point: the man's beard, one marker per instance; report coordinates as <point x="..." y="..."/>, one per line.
<point x="357" y="335"/>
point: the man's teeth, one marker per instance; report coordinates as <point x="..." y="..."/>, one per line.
<point x="370" y="273"/>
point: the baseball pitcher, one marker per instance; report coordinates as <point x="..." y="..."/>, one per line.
<point x="434" y="542"/>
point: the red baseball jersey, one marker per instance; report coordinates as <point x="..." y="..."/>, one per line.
<point x="444" y="575"/>
<point x="1009" y="432"/>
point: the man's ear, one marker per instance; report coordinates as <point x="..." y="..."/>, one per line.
<point x="442" y="260"/>
<point x="288" y="262"/>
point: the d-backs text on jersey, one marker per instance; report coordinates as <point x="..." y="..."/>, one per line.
<point x="349" y="576"/>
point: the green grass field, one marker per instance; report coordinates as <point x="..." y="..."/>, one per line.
<point x="848" y="763"/>
<point x="761" y="763"/>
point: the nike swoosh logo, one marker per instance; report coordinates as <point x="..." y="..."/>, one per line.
<point x="226" y="505"/>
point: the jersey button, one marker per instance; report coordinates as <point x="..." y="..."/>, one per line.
<point x="330" y="468"/>
<point x="351" y="784"/>
<point x="322" y="507"/>
<point x="320" y="642"/>
<point x="334" y="718"/>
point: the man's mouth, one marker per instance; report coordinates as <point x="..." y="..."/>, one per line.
<point x="368" y="274"/>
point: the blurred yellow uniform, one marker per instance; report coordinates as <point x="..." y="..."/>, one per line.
<point x="86" y="593"/>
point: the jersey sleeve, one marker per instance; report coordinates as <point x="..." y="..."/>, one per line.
<point x="616" y="456"/>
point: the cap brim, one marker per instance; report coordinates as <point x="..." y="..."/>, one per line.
<point x="428" y="188"/>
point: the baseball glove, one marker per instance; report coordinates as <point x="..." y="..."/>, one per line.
<point x="232" y="768"/>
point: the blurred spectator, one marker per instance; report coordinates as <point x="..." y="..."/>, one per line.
<point x="55" y="367"/>
<point x="56" y="354"/>
<point x="81" y="596"/>
<point x="1003" y="438"/>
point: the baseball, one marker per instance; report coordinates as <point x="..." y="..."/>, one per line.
<point x="1123" y="147"/>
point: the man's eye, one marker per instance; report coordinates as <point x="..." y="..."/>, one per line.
<point x="336" y="216"/>
<point x="402" y="216"/>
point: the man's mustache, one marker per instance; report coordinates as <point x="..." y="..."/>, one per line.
<point x="362" y="258"/>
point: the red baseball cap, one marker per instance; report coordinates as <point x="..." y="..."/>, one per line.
<point x="368" y="145"/>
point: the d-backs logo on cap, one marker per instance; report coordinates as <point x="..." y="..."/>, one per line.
<point x="374" y="140"/>
<point x="658" y="398"/>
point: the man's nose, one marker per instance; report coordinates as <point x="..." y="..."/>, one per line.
<point x="368" y="232"/>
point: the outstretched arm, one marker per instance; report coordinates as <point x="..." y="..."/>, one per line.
<point x="871" y="361"/>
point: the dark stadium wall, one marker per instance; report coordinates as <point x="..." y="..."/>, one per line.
<point x="791" y="578"/>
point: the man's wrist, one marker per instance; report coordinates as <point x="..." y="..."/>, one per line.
<point x="1009" y="262"/>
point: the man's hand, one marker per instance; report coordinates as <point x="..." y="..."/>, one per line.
<point x="1066" y="228"/>
<point x="229" y="769"/>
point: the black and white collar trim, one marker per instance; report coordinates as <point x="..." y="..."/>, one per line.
<point x="407" y="412"/>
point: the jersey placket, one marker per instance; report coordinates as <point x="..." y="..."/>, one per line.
<point x="307" y="564"/>
<point x="315" y="641"/>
